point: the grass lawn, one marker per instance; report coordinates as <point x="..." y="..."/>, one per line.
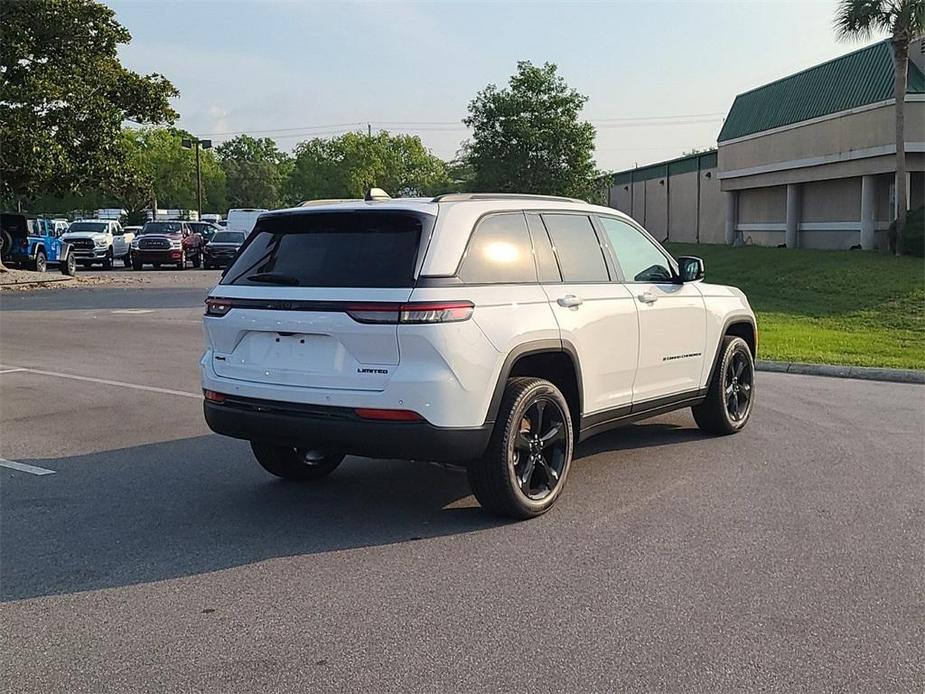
<point x="832" y="307"/>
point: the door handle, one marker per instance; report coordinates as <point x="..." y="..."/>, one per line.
<point x="647" y="297"/>
<point x="570" y="301"/>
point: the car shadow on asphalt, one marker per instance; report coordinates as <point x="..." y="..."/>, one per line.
<point x="186" y="507"/>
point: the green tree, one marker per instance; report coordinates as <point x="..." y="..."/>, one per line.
<point x="347" y="166"/>
<point x="159" y="169"/>
<point x="64" y="96"/>
<point x="255" y="171"/>
<point x="903" y="20"/>
<point x="528" y="136"/>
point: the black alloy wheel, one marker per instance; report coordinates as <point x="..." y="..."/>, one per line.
<point x="730" y="397"/>
<point x="523" y="471"/>
<point x="540" y="449"/>
<point x="737" y="386"/>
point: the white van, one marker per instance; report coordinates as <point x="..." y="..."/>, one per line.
<point x="243" y="219"/>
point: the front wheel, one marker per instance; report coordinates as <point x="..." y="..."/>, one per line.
<point x="181" y="264"/>
<point x="524" y="469"/>
<point x="731" y="393"/>
<point x="197" y="261"/>
<point x="293" y="463"/>
<point x="127" y="259"/>
<point x="107" y="260"/>
<point x="136" y="263"/>
<point x="69" y="266"/>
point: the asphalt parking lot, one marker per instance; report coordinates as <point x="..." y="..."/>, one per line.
<point x="159" y="557"/>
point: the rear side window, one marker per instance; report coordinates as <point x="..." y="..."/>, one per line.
<point x="342" y="249"/>
<point x="499" y="252"/>
<point x="574" y="240"/>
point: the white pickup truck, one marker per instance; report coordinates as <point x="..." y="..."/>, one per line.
<point x="100" y="241"/>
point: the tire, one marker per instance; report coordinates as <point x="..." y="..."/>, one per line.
<point x="207" y="266"/>
<point x="137" y="264"/>
<point x="519" y="477"/>
<point x="40" y="264"/>
<point x="68" y="266"/>
<point x="197" y="261"/>
<point x="127" y="260"/>
<point x="731" y="393"/>
<point x="107" y="260"/>
<point x="6" y="243"/>
<point x="181" y="264"/>
<point x="293" y="463"/>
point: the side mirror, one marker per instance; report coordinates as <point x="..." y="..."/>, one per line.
<point x="690" y="268"/>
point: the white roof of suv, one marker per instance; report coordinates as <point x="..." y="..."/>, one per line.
<point x="456" y="217"/>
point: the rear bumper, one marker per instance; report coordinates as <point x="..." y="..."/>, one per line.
<point x="338" y="428"/>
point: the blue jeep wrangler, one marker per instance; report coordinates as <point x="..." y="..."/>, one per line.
<point x="33" y="243"/>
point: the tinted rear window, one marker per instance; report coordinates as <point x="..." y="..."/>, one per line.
<point x="228" y="237"/>
<point x="342" y="249"/>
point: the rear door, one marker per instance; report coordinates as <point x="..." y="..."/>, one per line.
<point x="310" y="296"/>
<point x="672" y="318"/>
<point x="595" y="313"/>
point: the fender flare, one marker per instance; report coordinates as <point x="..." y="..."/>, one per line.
<point x="550" y="346"/>
<point x="730" y="321"/>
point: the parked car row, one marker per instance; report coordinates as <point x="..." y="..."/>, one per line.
<point x="36" y="243"/>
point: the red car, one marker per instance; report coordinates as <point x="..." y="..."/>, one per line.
<point x="167" y="243"/>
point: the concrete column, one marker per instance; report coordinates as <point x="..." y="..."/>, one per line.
<point x="791" y="237"/>
<point x="732" y="199"/>
<point x="868" y="212"/>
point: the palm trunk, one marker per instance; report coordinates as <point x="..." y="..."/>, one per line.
<point x="900" y="66"/>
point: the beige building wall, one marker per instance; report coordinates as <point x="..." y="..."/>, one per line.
<point x="831" y="201"/>
<point x="655" y="219"/>
<point x="712" y="208"/>
<point x="683" y="207"/>
<point x="850" y="137"/>
<point x="763" y="205"/>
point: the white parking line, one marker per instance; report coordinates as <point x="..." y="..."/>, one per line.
<point x="10" y="371"/>
<point x="22" y="467"/>
<point x="133" y="311"/>
<point x="103" y="381"/>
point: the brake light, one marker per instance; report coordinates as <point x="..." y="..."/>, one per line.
<point x="388" y="415"/>
<point x="413" y="313"/>
<point x="217" y="307"/>
<point x="212" y="396"/>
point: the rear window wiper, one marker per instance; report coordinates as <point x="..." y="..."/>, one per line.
<point x="274" y="278"/>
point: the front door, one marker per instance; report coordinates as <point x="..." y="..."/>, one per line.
<point x="672" y="317"/>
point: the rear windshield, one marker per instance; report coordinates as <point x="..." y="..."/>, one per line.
<point x="160" y="228"/>
<point x="339" y="249"/>
<point x="228" y="237"/>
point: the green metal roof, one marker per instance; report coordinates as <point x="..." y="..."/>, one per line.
<point x="852" y="80"/>
<point x="706" y="160"/>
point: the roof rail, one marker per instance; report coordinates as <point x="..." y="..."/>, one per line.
<point x="460" y="197"/>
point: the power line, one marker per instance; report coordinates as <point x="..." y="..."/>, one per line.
<point x="451" y="126"/>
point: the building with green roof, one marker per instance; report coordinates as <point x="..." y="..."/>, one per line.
<point x="805" y="161"/>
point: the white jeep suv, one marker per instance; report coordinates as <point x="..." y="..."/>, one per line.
<point x="490" y="330"/>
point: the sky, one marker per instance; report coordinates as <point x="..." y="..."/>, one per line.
<point x="659" y="76"/>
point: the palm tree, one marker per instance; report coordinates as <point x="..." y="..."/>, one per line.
<point x="903" y="20"/>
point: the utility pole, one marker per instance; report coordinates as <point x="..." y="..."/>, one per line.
<point x="369" y="129"/>
<point x="197" y="144"/>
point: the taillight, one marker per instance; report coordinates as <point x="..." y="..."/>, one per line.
<point x="212" y="396"/>
<point x="388" y="415"/>
<point x="217" y="307"/>
<point x="413" y="313"/>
